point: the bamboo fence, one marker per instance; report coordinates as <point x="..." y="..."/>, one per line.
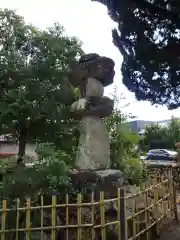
<point x="91" y="220"/>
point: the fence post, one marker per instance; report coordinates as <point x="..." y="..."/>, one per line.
<point x="172" y="190"/>
<point x="3" y="220"/>
<point x="53" y="216"/>
<point x="174" y="200"/>
<point x="123" y="216"/>
<point x="102" y="216"/>
<point x="28" y="218"/>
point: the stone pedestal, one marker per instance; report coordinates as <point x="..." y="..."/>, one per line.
<point x="92" y="74"/>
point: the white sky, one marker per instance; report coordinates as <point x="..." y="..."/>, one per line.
<point x="90" y="23"/>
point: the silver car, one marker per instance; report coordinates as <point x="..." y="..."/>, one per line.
<point x="161" y="155"/>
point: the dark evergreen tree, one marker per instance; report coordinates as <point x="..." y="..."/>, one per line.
<point x="148" y="37"/>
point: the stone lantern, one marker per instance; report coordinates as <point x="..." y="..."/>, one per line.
<point x="91" y="75"/>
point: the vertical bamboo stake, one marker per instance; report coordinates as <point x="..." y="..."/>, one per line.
<point x="92" y="216"/>
<point x="53" y="216"/>
<point x="118" y="213"/>
<point x="125" y="215"/>
<point x="103" y="232"/>
<point x="138" y="220"/>
<point x="174" y="199"/>
<point x="3" y="220"/>
<point x="164" y="202"/>
<point x="146" y="213"/>
<point x="155" y="188"/>
<point x="134" y="218"/>
<point x="17" y="218"/>
<point x="67" y="216"/>
<point x="79" y="201"/>
<point x="164" y="190"/>
<point x="155" y="197"/>
<point x="123" y="210"/>
<point x="42" y="217"/>
<point x="171" y="192"/>
<point x="28" y="216"/>
<point x="167" y="183"/>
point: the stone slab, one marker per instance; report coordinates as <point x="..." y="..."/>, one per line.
<point x="101" y="68"/>
<point x="92" y="106"/>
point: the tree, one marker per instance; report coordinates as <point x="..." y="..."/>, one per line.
<point x="148" y="38"/>
<point x="157" y="136"/>
<point x="174" y="132"/>
<point x="35" y="93"/>
<point x="123" y="144"/>
<point x="122" y="140"/>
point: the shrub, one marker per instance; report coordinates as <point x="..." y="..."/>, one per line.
<point x="48" y="174"/>
<point x="134" y="170"/>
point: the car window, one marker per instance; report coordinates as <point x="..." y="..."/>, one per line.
<point x="156" y="151"/>
<point x="171" y="152"/>
<point x="163" y="151"/>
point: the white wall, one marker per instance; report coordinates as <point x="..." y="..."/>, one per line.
<point x="13" y="148"/>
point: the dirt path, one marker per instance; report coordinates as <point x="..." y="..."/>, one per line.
<point x="172" y="231"/>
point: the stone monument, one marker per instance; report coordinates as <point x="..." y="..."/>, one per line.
<point x="91" y="75"/>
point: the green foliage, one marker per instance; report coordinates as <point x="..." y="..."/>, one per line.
<point x="122" y="140"/>
<point x="148" y="39"/>
<point x="35" y="93"/>
<point x="49" y="151"/>
<point x="174" y="131"/>
<point x="48" y="174"/>
<point x="134" y="170"/>
<point x="157" y="136"/>
<point x="122" y="145"/>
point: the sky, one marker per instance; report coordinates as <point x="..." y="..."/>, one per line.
<point x="89" y="22"/>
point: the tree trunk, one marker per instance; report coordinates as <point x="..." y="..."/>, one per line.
<point x="22" y="141"/>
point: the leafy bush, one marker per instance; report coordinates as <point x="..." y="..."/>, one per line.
<point x="48" y="174"/>
<point x="123" y="145"/>
<point x="134" y="170"/>
<point x="122" y="140"/>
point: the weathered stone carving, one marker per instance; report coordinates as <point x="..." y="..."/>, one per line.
<point x="91" y="87"/>
<point x="91" y="75"/>
<point x="100" y="68"/>
<point x="93" y="150"/>
<point x="92" y="106"/>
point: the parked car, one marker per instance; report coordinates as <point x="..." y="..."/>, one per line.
<point x="161" y="155"/>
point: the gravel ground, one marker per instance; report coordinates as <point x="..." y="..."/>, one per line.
<point x="172" y="231"/>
